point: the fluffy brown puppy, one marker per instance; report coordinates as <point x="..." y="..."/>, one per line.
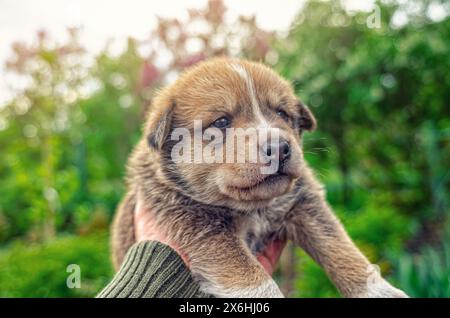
<point x="220" y="213"/>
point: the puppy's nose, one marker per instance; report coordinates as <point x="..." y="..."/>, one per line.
<point x="281" y="148"/>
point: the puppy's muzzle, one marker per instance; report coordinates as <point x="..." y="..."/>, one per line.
<point x="279" y="150"/>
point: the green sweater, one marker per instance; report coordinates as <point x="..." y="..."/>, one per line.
<point x="152" y="270"/>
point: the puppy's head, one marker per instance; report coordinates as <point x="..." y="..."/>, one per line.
<point x="228" y="133"/>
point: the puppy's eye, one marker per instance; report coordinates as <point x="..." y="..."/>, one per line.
<point x="222" y="122"/>
<point x="283" y="114"/>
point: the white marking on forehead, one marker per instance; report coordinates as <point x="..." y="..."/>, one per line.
<point x="241" y="71"/>
<point x="238" y="68"/>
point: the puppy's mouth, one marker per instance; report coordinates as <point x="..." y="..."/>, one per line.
<point x="262" y="190"/>
<point x="268" y="180"/>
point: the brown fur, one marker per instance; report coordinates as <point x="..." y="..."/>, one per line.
<point x="215" y="213"/>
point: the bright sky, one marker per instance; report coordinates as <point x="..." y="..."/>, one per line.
<point x="102" y="20"/>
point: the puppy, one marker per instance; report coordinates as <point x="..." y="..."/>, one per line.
<point x="222" y="212"/>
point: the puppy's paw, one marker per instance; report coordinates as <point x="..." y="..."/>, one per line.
<point x="382" y="289"/>
<point x="377" y="287"/>
<point x="267" y="289"/>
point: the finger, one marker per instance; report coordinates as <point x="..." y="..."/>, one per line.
<point x="271" y="254"/>
<point x="274" y="249"/>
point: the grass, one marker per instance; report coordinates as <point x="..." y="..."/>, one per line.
<point x="40" y="270"/>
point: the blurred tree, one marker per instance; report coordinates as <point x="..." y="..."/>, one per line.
<point x="39" y="120"/>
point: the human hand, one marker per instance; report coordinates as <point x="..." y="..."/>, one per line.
<point x="146" y="229"/>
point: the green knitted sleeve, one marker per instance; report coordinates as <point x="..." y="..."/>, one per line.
<point x="152" y="270"/>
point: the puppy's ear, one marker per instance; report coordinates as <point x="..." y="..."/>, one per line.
<point x="306" y="121"/>
<point x="159" y="124"/>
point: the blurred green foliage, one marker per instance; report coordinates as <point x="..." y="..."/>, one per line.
<point x="381" y="96"/>
<point x="40" y="270"/>
<point x="425" y="274"/>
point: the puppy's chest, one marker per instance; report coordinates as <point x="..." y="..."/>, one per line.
<point x="258" y="230"/>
